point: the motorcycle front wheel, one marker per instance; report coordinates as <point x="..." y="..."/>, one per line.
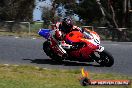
<point x="105" y="59"/>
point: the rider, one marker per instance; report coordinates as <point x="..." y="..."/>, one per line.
<point x="63" y="28"/>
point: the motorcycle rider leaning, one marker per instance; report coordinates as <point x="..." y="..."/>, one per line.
<point x="63" y="28"/>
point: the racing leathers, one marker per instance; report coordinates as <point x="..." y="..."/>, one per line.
<point x="60" y="35"/>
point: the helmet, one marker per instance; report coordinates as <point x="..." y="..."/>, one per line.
<point x="67" y="24"/>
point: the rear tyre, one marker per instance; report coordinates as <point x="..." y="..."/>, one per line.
<point x="105" y="59"/>
<point x="46" y="48"/>
<point x="49" y="52"/>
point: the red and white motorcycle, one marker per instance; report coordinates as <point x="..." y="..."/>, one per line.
<point x="86" y="48"/>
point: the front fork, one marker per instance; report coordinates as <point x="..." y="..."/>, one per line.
<point x="100" y="49"/>
<point x="96" y="54"/>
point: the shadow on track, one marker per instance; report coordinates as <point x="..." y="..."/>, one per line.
<point x="64" y="63"/>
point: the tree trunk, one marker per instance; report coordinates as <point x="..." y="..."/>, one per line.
<point x="125" y="13"/>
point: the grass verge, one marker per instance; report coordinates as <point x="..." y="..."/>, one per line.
<point x="34" y="77"/>
<point x="21" y="34"/>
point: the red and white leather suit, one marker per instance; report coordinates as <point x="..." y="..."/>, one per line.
<point x="60" y="35"/>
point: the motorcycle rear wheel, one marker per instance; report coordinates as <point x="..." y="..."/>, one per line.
<point x="46" y="48"/>
<point x="49" y="52"/>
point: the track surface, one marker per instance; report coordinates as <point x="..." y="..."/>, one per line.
<point x="27" y="51"/>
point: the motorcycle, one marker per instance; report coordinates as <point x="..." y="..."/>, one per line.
<point x="86" y="47"/>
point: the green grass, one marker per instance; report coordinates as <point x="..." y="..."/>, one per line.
<point x="20" y="34"/>
<point x="32" y="77"/>
<point x="22" y="31"/>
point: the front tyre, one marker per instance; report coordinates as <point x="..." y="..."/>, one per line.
<point x="105" y="59"/>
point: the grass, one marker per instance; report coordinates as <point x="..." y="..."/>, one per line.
<point x="22" y="30"/>
<point x="20" y="34"/>
<point x="35" y="77"/>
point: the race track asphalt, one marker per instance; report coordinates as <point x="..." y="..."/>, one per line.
<point x="28" y="51"/>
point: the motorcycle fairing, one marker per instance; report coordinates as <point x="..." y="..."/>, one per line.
<point x="73" y="37"/>
<point x="87" y="49"/>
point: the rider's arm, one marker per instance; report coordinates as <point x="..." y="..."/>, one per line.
<point x="58" y="35"/>
<point x="65" y="45"/>
<point x="57" y="25"/>
<point x="76" y="28"/>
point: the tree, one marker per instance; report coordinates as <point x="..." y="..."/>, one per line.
<point x="116" y="11"/>
<point x="18" y="10"/>
<point x="68" y="4"/>
<point x="88" y="10"/>
<point x="121" y="11"/>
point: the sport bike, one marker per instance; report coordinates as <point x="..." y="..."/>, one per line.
<point x="85" y="47"/>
